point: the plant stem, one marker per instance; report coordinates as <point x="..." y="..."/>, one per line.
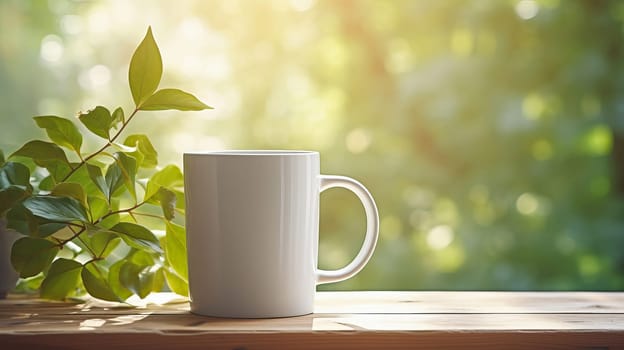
<point x="127" y="210"/>
<point x="150" y="215"/>
<point x="88" y="248"/>
<point x="69" y="224"/>
<point x="76" y="234"/>
<point x="85" y="160"/>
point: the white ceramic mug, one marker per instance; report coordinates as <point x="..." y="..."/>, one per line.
<point x="252" y="222"/>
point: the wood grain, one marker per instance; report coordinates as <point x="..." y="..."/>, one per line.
<point x="347" y="320"/>
<point x="321" y="340"/>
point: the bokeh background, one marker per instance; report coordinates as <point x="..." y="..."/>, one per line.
<point x="491" y="132"/>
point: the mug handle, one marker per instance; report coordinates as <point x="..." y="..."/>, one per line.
<point x="372" y="229"/>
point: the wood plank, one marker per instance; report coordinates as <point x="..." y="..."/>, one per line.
<point x="371" y="302"/>
<point x="192" y="324"/>
<point x="348" y="320"/>
<point x="321" y="340"/>
<point x="405" y="311"/>
<point x="470" y="302"/>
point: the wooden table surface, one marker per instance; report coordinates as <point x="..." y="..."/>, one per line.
<point x="342" y="320"/>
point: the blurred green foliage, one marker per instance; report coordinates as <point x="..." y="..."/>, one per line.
<point x="491" y="133"/>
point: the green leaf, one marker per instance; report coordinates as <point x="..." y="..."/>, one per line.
<point x="21" y="220"/>
<point x="103" y="242"/>
<point x="95" y="174"/>
<point x="72" y="190"/>
<point x="173" y="99"/>
<point x="95" y="280"/>
<point x="47" y="184"/>
<point x="175" y="249"/>
<point x="124" y="148"/>
<point x="57" y="169"/>
<point x="128" y="167"/>
<point x="91" y="179"/>
<point x="2" y="159"/>
<point x="118" y="116"/>
<point x="62" y="279"/>
<point x="30" y="256"/>
<point x="49" y="228"/>
<point x="114" y="280"/>
<point x="180" y="201"/>
<point x="123" y="171"/>
<point x="46" y="155"/>
<point x="176" y="284"/>
<point x="145" y="147"/>
<point x="114" y="180"/>
<point x="141" y="257"/>
<point x="159" y="280"/>
<point x="30" y="284"/>
<point x="98" y="207"/>
<point x="138" y="278"/>
<point x="62" y="131"/>
<point x="52" y="208"/>
<point x="41" y="152"/>
<point x="137" y="237"/>
<point x="13" y="173"/>
<point x="145" y="69"/>
<point x="11" y="196"/>
<point x="98" y="120"/>
<point x="167" y="201"/>
<point x="170" y="177"/>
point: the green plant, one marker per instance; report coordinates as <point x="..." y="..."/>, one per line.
<point x="88" y="218"/>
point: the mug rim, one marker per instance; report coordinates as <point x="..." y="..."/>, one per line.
<point x="253" y="152"/>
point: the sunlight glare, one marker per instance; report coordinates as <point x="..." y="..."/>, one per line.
<point x="533" y="106"/>
<point x="184" y="142"/>
<point x="401" y="56"/>
<point x="51" y="48"/>
<point x="302" y="5"/>
<point x="439" y="237"/>
<point x="98" y="22"/>
<point x="462" y="42"/>
<point x="191" y="29"/>
<point x="99" y="75"/>
<point x="527" y="204"/>
<point x="527" y="9"/>
<point x="95" y="77"/>
<point x="598" y="140"/>
<point x="71" y="24"/>
<point x="91" y="324"/>
<point x="358" y="140"/>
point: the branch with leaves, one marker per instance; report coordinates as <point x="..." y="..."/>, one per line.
<point x="87" y="216"/>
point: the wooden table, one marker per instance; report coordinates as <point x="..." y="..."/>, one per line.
<point x="343" y="320"/>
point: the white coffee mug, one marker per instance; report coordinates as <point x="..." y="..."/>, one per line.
<point x="252" y="221"/>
